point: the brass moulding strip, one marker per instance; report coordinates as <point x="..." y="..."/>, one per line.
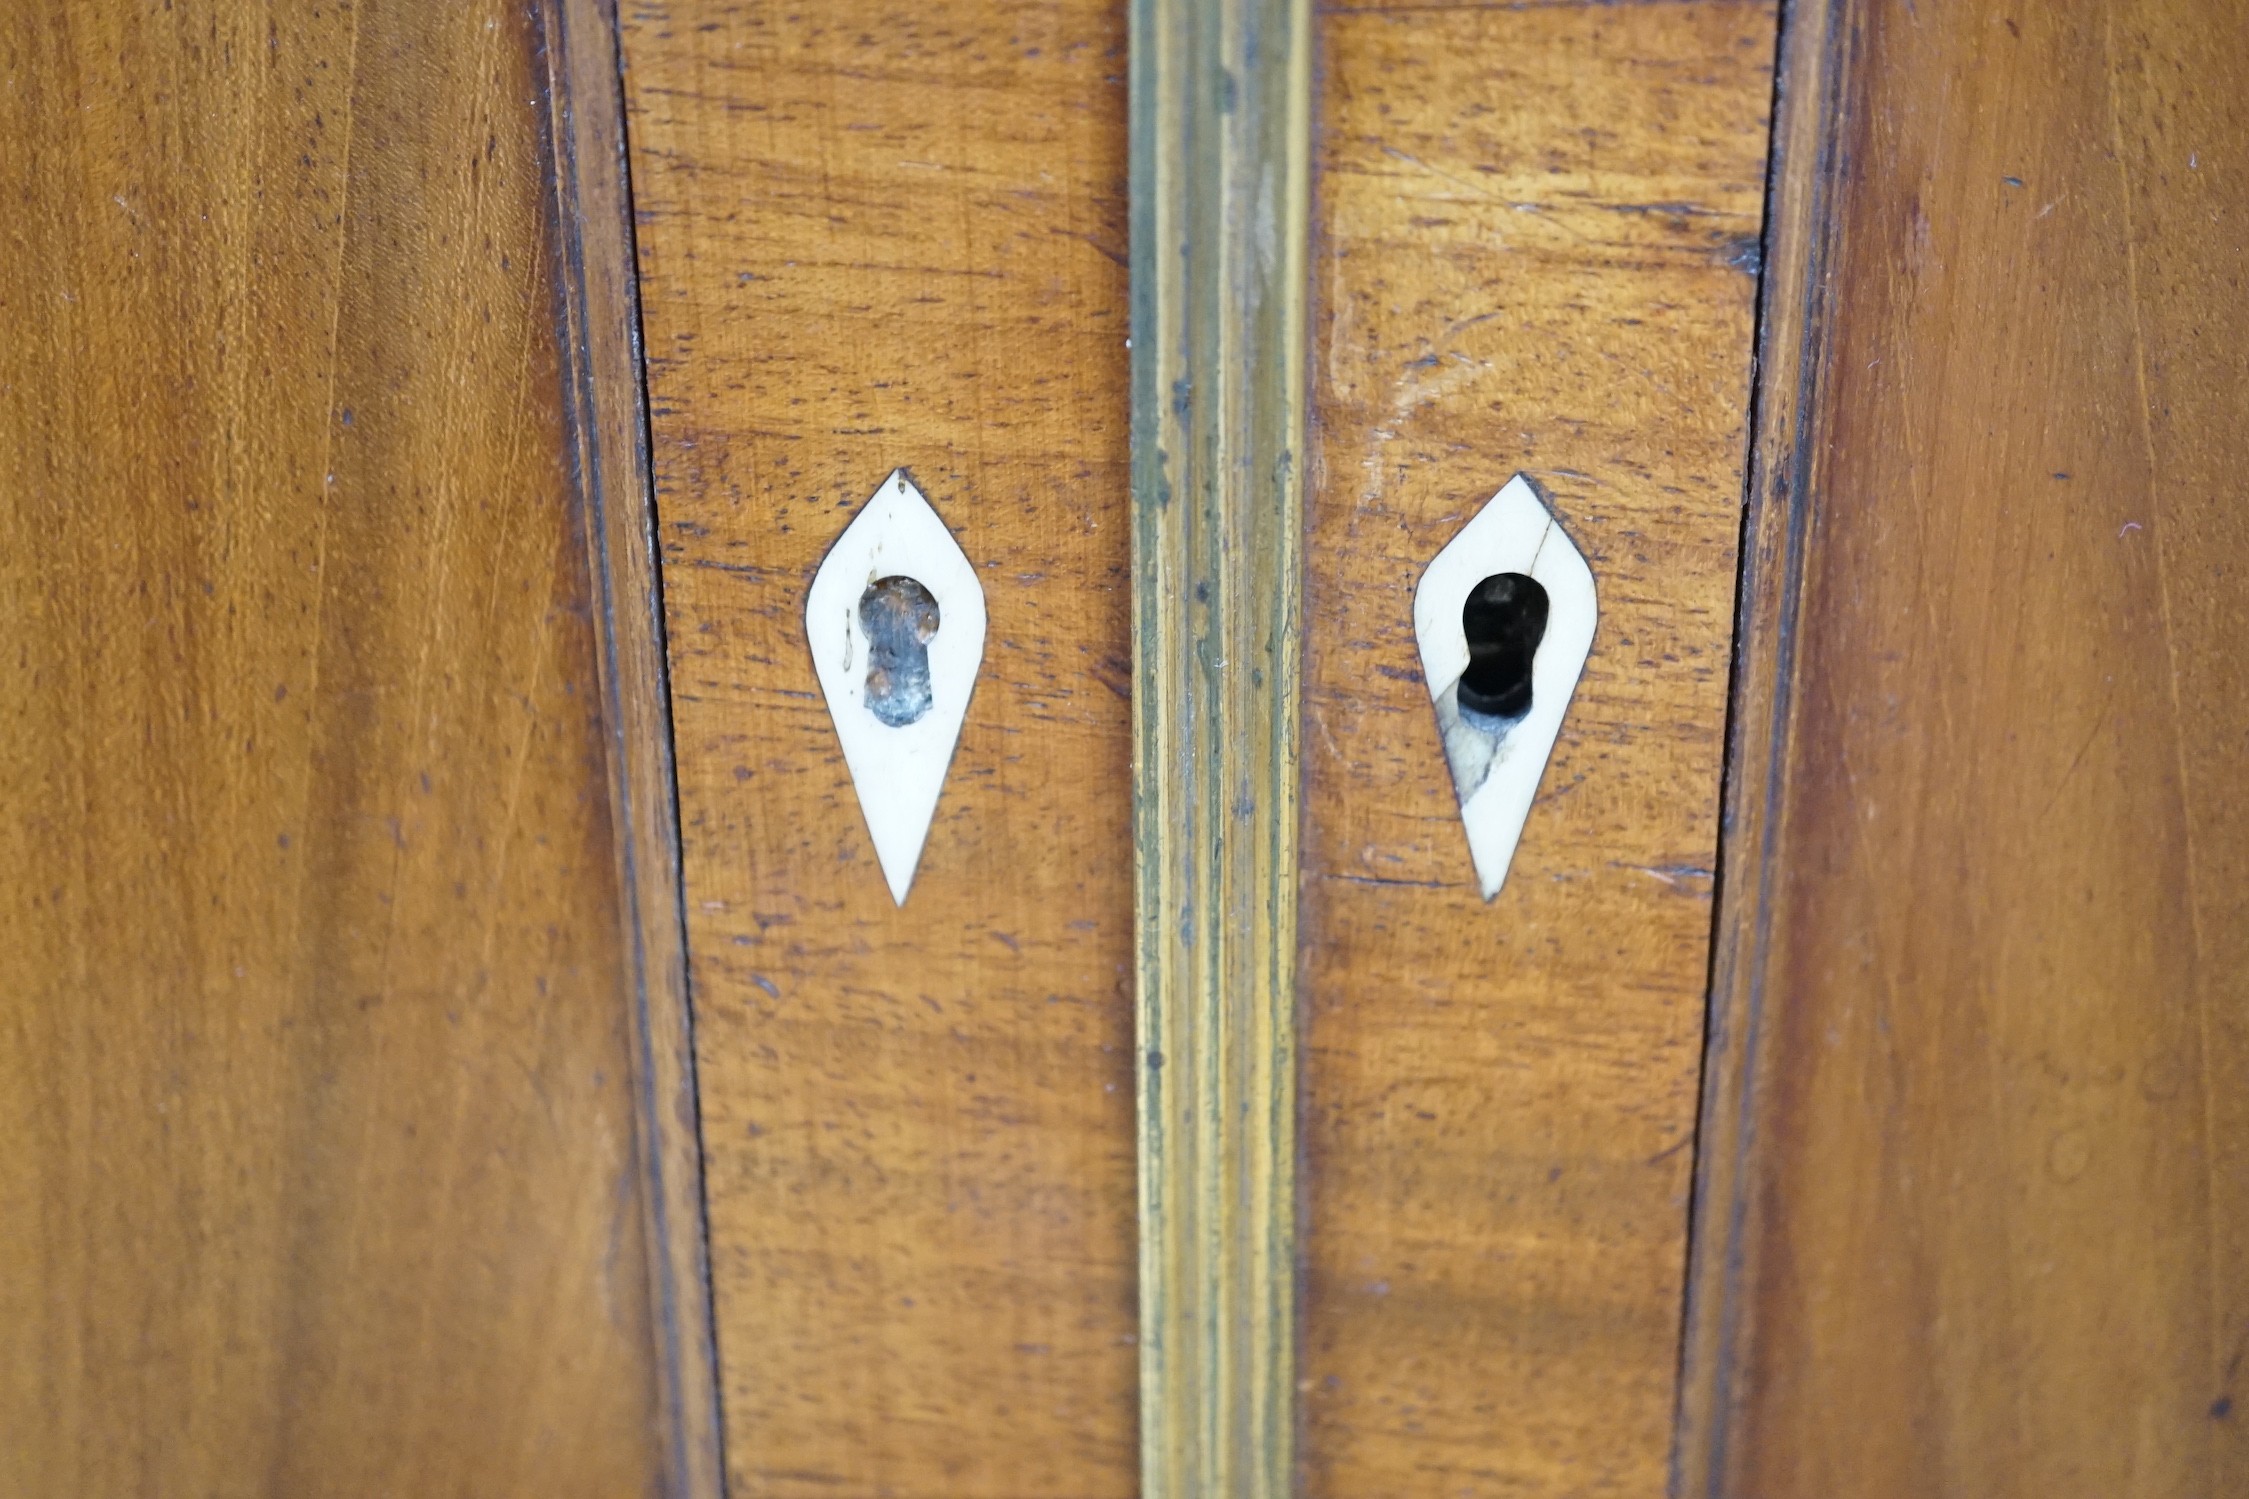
<point x="1221" y="121"/>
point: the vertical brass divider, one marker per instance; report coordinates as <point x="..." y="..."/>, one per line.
<point x="1221" y="124"/>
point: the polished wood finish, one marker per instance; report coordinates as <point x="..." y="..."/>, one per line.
<point x="317" y="1165"/>
<point x="1987" y="1230"/>
<point x="1536" y="235"/>
<point x="875" y="235"/>
<point x="608" y="430"/>
<point x="1797" y="308"/>
<point x="1221" y="168"/>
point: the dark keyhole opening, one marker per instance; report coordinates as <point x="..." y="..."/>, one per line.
<point x="1505" y="619"/>
<point x="900" y="619"/>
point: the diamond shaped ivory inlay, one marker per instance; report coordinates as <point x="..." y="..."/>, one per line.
<point x="895" y="618"/>
<point x="1504" y="617"/>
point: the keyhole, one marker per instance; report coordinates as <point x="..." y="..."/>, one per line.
<point x="899" y="618"/>
<point x="1505" y="619"/>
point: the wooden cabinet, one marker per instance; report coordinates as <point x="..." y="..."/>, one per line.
<point x="460" y="1039"/>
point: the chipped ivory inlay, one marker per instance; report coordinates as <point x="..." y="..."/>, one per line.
<point x="897" y="740"/>
<point x="1496" y="764"/>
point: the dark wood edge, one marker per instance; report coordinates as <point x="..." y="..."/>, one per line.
<point x="1811" y="101"/>
<point x="599" y="310"/>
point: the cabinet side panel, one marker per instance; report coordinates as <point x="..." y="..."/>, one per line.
<point x="316" y="1137"/>
<point x="1987" y="1224"/>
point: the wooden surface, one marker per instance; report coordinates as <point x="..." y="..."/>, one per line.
<point x="1221" y="210"/>
<point x="608" y="427"/>
<point x="1989" y="1233"/>
<point x="1534" y="244"/>
<point x="316" y="1137"/>
<point x="1795" y="315"/>
<point x="875" y="235"/>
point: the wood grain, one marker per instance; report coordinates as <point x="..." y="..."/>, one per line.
<point x="875" y="235"/>
<point x="599" y="300"/>
<point x="1990" y="1185"/>
<point x="1795" y="314"/>
<point x="318" y="1172"/>
<point x="1535" y="238"/>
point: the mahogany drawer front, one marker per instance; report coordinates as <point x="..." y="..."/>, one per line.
<point x="1536" y="235"/>
<point x="1533" y="790"/>
<point x="874" y="238"/>
<point x="870" y="239"/>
